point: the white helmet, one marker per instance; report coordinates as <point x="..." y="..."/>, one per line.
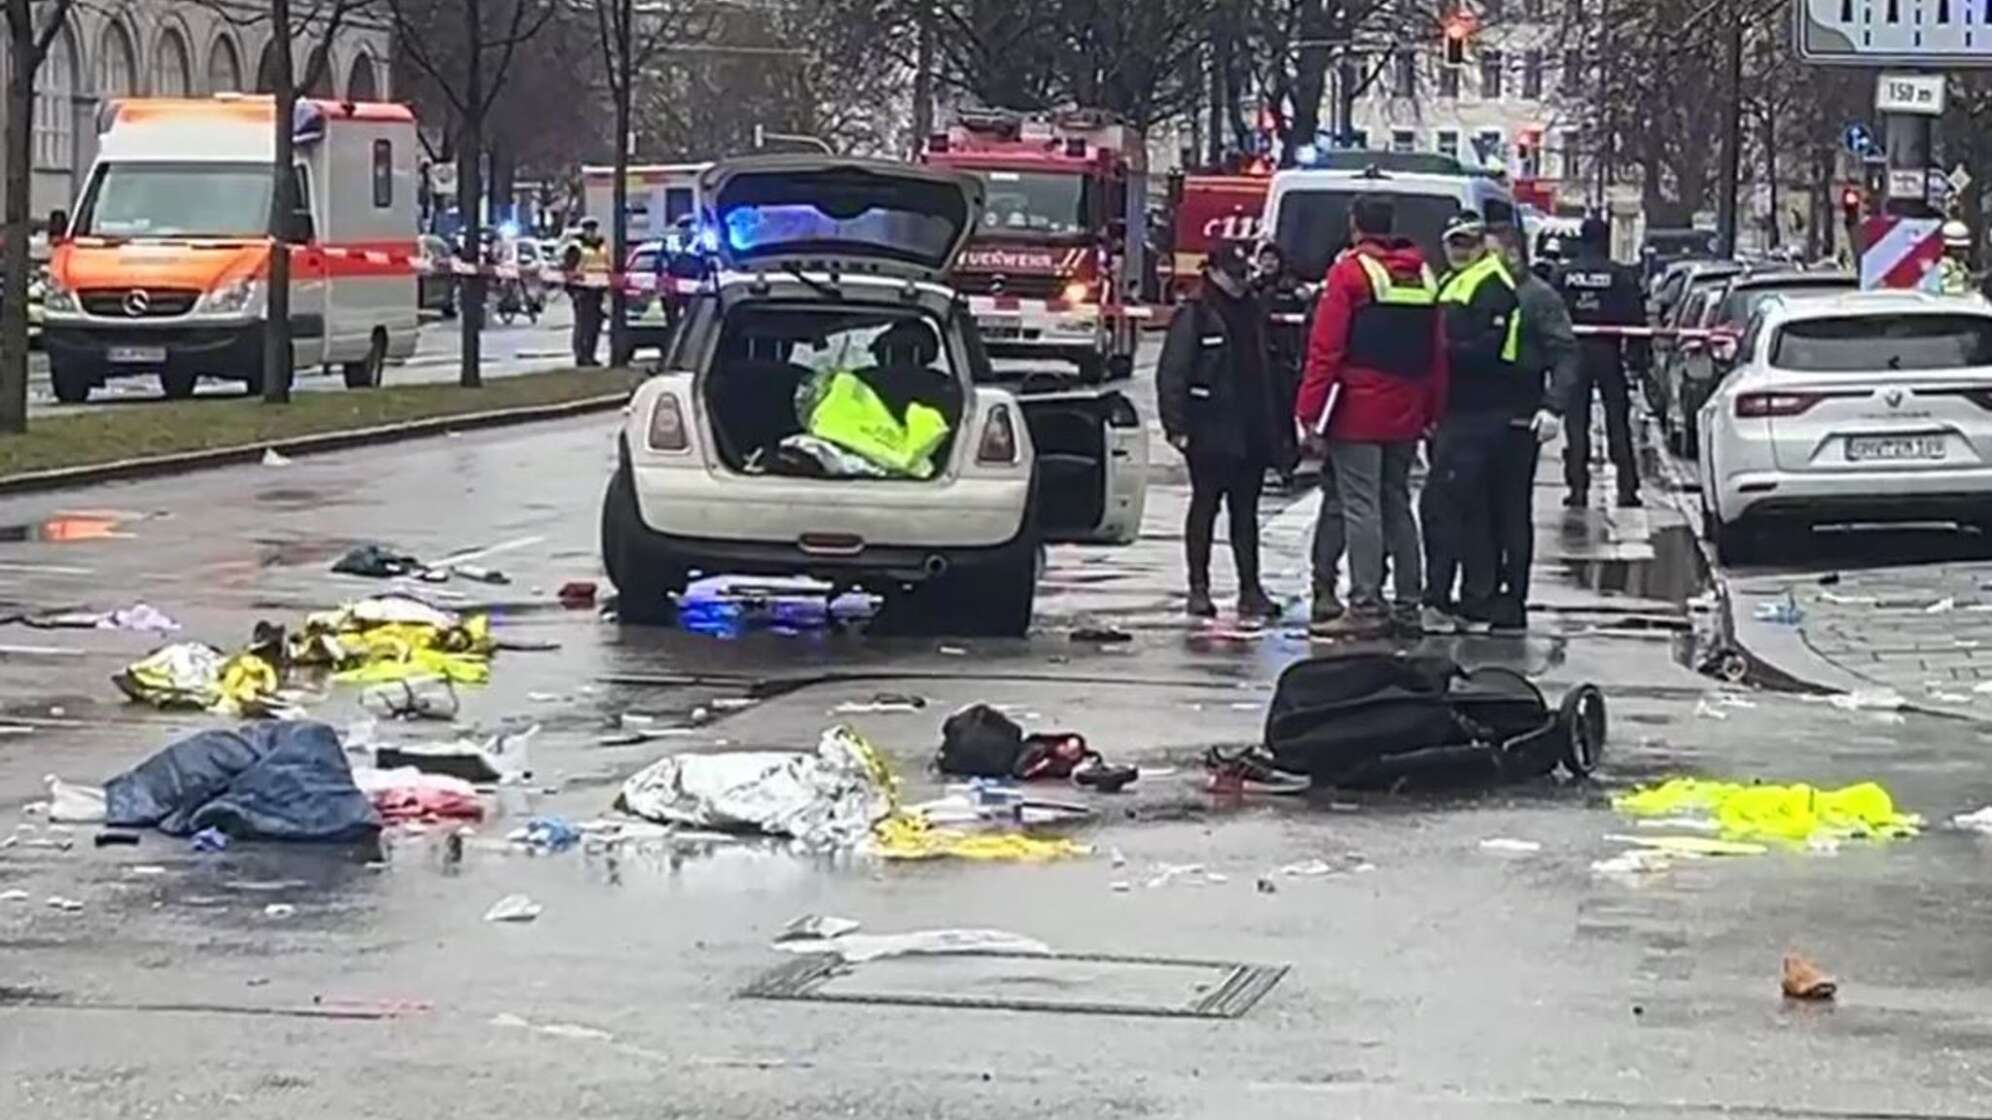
<point x="1957" y="235"/>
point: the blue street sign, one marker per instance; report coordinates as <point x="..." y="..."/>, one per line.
<point x="1858" y="139"/>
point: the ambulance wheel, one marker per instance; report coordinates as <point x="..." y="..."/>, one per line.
<point x="178" y="385"/>
<point x="1585" y="726"/>
<point x="70" y="386"/>
<point x="366" y="373"/>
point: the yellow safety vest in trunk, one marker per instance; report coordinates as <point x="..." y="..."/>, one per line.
<point x="851" y="415"/>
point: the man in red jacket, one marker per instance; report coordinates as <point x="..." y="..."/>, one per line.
<point x="1375" y="382"/>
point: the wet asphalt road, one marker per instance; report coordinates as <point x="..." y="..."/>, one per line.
<point x="1445" y="982"/>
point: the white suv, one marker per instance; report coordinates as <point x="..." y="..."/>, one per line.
<point x="1870" y="406"/>
<point x="830" y="265"/>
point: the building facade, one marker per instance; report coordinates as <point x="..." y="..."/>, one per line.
<point x="171" y="48"/>
<point x="1518" y="98"/>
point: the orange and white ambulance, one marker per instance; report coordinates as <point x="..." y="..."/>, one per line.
<point x="163" y="269"/>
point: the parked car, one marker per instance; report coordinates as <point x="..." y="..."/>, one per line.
<point x="1695" y="365"/>
<point x="1870" y="406"/>
<point x="652" y="316"/>
<point x="435" y="287"/>
<point x="1678" y="309"/>
<point x="827" y="264"/>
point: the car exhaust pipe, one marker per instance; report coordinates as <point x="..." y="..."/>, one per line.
<point x="936" y="566"/>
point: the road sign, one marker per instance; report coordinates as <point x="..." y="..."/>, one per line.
<point x="1899" y="252"/>
<point x="1906" y="184"/>
<point x="1959" y="179"/>
<point x="1920" y="94"/>
<point x="1856" y="138"/>
<point x="1905" y="33"/>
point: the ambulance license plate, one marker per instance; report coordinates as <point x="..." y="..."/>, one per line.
<point x="137" y="355"/>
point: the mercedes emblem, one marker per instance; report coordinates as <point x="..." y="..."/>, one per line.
<point x="137" y="303"/>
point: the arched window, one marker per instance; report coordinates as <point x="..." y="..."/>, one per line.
<point x="318" y="72"/>
<point x="172" y="71"/>
<point x="360" y="85"/>
<point x="266" y="70"/>
<point x="55" y="105"/>
<point x="224" y="68"/>
<point x="117" y="69"/>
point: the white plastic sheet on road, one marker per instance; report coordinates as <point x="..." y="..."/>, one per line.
<point x="857" y="948"/>
<point x="828" y="799"/>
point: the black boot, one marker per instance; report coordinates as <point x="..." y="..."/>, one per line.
<point x="1200" y="605"/>
<point x="1576" y="499"/>
<point x="1629" y="498"/>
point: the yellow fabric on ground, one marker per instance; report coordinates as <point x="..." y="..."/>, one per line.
<point x="1793" y="814"/>
<point x="905" y="834"/>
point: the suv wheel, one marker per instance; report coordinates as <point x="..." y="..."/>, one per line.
<point x="1739" y="542"/>
<point x="643" y="586"/>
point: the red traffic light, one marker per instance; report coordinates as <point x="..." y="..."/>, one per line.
<point x="1850" y="197"/>
<point x="1458" y="27"/>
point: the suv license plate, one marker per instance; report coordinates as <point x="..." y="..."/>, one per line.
<point x="134" y="355"/>
<point x="1883" y="449"/>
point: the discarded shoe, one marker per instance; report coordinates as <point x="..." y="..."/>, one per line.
<point x="1804" y="980"/>
<point x="1249" y="770"/>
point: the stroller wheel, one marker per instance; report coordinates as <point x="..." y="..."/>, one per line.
<point x="1585" y="726"/>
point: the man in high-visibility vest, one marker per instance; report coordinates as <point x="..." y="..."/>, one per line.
<point x="1375" y="380"/>
<point x="1486" y="443"/>
<point x="1952" y="276"/>
<point x="586" y="263"/>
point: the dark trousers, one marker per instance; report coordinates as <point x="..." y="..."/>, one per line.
<point x="1495" y="584"/>
<point x="1234" y="483"/>
<point x="1478" y="513"/>
<point x="587" y="323"/>
<point x="1605" y="372"/>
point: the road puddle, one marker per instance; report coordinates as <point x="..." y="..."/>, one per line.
<point x="1667" y="567"/>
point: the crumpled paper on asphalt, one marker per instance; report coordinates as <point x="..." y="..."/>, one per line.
<point x="859" y="947"/>
<point x="1794" y="815"/>
<point x="193" y="675"/>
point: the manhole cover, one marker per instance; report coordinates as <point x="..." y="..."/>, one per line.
<point x="1075" y="983"/>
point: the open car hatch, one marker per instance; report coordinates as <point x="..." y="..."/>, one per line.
<point x="812" y="213"/>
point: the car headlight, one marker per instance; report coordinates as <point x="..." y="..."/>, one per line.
<point x="233" y="298"/>
<point x="56" y="296"/>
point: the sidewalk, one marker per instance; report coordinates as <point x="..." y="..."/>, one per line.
<point x="1921" y="633"/>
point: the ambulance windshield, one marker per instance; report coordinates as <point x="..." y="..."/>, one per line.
<point x="148" y="199"/>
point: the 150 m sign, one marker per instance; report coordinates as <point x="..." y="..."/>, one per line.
<point x="1921" y="94"/>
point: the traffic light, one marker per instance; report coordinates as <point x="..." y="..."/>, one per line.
<point x="1850" y="205"/>
<point x="1458" y="29"/>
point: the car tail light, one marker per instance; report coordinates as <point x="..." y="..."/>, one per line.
<point x="999" y="439"/>
<point x="1757" y="405"/>
<point x="667" y="426"/>
<point x="1078" y="292"/>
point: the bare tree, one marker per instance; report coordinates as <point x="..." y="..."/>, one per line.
<point x="450" y="42"/>
<point x="32" y="27"/>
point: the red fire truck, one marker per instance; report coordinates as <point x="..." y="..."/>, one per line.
<point x="1056" y="269"/>
<point x="1210" y="210"/>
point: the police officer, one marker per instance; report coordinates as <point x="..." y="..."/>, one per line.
<point x="586" y="263"/>
<point x="1601" y="293"/>
<point x="1952" y="276"/>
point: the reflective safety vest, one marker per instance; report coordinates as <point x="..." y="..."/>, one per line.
<point x="848" y="413"/>
<point x="1396" y="332"/>
<point x="593" y="266"/>
<point x="1952" y="276"/>
<point x="1465" y="283"/>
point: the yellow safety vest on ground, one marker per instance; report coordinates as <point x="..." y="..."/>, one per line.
<point x="851" y="415"/>
<point x="1465" y="283"/>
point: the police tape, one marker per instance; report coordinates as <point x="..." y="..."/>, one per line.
<point x="1681" y="333"/>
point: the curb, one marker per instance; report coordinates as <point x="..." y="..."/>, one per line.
<point x="188" y="461"/>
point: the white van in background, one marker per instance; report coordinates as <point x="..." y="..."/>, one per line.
<point x="164" y="266"/>
<point x="1307" y="211"/>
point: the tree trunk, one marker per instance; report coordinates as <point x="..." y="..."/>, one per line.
<point x="470" y="192"/>
<point x="923" y="82"/>
<point x="277" y="353"/>
<point x="1220" y="60"/>
<point x="14" y="286"/>
<point x="1310" y="78"/>
<point x="619" y="189"/>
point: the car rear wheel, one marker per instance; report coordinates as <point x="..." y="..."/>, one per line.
<point x="643" y="586"/>
<point x="178" y="385"/>
<point x="1740" y="542"/>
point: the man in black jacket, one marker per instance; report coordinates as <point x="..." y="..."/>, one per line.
<point x="1602" y="293"/>
<point x="1219" y="407"/>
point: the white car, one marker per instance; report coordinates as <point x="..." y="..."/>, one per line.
<point x="830" y="264"/>
<point x="1864" y="407"/>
